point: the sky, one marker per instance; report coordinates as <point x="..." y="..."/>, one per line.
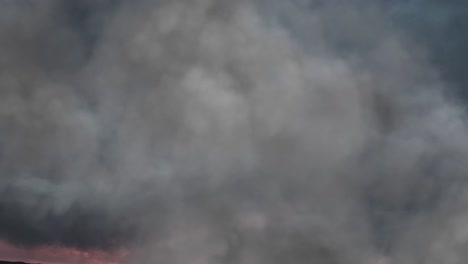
<point x="250" y="131"/>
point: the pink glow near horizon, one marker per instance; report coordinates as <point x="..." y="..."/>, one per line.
<point x="59" y="255"/>
<point x="63" y="255"/>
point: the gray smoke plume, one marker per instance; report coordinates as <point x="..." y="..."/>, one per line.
<point x="216" y="131"/>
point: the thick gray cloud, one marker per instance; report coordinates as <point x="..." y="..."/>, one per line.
<point x="236" y="132"/>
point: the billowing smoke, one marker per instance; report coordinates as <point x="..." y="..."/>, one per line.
<point x="218" y="131"/>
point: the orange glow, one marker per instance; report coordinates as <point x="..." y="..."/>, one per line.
<point x="59" y="255"/>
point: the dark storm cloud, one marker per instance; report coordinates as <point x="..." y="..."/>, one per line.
<point x="237" y="132"/>
<point x="440" y="27"/>
<point x="43" y="41"/>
